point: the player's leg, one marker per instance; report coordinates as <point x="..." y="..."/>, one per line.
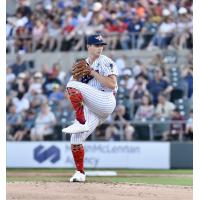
<point x="100" y="102"/>
<point x="77" y="147"/>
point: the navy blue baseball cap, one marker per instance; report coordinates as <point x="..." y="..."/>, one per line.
<point x="95" y="40"/>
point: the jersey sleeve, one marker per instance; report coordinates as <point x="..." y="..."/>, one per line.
<point x="110" y="68"/>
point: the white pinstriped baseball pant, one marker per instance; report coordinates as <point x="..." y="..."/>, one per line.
<point x="98" y="105"/>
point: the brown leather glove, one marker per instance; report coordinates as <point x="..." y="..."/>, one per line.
<point x="80" y="69"/>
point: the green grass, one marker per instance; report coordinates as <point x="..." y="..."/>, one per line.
<point x="163" y="177"/>
<point x="133" y="171"/>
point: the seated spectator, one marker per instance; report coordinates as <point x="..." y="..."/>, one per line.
<point x="21" y="84"/>
<point x="52" y="38"/>
<point x="29" y="121"/>
<point x="145" y="110"/>
<point x="189" y="127"/>
<point x="165" y="33"/>
<point x="10" y="37"/>
<point x="139" y="68"/>
<point x="36" y="98"/>
<point x="57" y="95"/>
<point x="110" y="30"/>
<point x="128" y="81"/>
<point x="164" y="107"/>
<point x="113" y="132"/>
<point x="138" y="91"/>
<point x="50" y="81"/>
<point x="38" y="34"/>
<point x="183" y="30"/>
<point x="187" y="75"/>
<point x="150" y="27"/>
<point x="21" y="102"/>
<point x="176" y="127"/>
<point x="10" y="78"/>
<point x="36" y="83"/>
<point x="44" y="124"/>
<point x="120" y="62"/>
<point x="129" y="132"/>
<point x="134" y="28"/>
<point x="14" y="122"/>
<point x="19" y="66"/>
<point x="157" y="85"/>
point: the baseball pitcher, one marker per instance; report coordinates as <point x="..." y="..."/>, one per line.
<point x="91" y="91"/>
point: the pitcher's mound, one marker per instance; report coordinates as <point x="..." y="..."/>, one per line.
<point x="95" y="191"/>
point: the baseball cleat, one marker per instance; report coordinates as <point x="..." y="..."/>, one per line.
<point x="76" y="128"/>
<point x="78" y="177"/>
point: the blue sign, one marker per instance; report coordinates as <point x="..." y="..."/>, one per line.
<point x="52" y="153"/>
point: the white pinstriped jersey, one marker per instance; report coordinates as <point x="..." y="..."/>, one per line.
<point x="104" y="66"/>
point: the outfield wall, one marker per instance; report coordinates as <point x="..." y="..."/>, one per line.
<point x="133" y="155"/>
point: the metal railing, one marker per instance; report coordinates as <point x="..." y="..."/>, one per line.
<point x="128" y="40"/>
<point x="153" y="129"/>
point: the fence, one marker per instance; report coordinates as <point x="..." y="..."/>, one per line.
<point x="145" y="130"/>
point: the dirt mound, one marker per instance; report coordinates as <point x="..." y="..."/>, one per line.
<point x="95" y="191"/>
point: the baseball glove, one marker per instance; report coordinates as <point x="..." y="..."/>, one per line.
<point x="81" y="69"/>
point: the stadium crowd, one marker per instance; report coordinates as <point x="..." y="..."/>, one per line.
<point x="151" y="97"/>
<point x="62" y="25"/>
<point x="148" y="96"/>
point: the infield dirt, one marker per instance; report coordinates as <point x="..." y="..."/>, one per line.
<point x="95" y="191"/>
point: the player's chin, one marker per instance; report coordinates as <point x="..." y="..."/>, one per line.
<point x="99" y="53"/>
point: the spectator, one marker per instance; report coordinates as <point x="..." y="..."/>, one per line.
<point x="10" y="78"/>
<point x="14" y="122"/>
<point x="44" y="124"/>
<point x="189" y="127"/>
<point x="128" y="81"/>
<point x="19" y="66"/>
<point x="165" y="33"/>
<point x="121" y="63"/>
<point x="10" y="40"/>
<point x="113" y="131"/>
<point x="52" y="38"/>
<point x="57" y="95"/>
<point x="38" y="34"/>
<point x="36" y="83"/>
<point x="145" y="110"/>
<point x="139" y="68"/>
<point x="138" y="91"/>
<point x="21" y="102"/>
<point x="187" y="74"/>
<point x="164" y="107"/>
<point x="134" y="28"/>
<point x="157" y="85"/>
<point x="49" y="82"/>
<point x="176" y="127"/>
<point x="129" y="132"/>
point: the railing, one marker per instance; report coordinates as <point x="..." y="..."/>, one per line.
<point x="151" y="125"/>
<point x="126" y="40"/>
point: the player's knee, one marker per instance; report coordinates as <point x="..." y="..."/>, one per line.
<point x="73" y="84"/>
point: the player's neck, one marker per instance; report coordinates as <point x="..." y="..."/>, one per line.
<point x="92" y="58"/>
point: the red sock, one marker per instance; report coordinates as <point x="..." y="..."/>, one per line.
<point x="76" y="99"/>
<point x="78" y="154"/>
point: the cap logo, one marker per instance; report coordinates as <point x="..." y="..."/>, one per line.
<point x="99" y="37"/>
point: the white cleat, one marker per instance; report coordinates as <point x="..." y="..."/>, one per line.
<point x="76" y="128"/>
<point x="78" y="177"/>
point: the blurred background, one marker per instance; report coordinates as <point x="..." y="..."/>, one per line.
<point x="151" y="42"/>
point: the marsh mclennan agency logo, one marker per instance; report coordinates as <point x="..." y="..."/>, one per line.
<point x="42" y="154"/>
